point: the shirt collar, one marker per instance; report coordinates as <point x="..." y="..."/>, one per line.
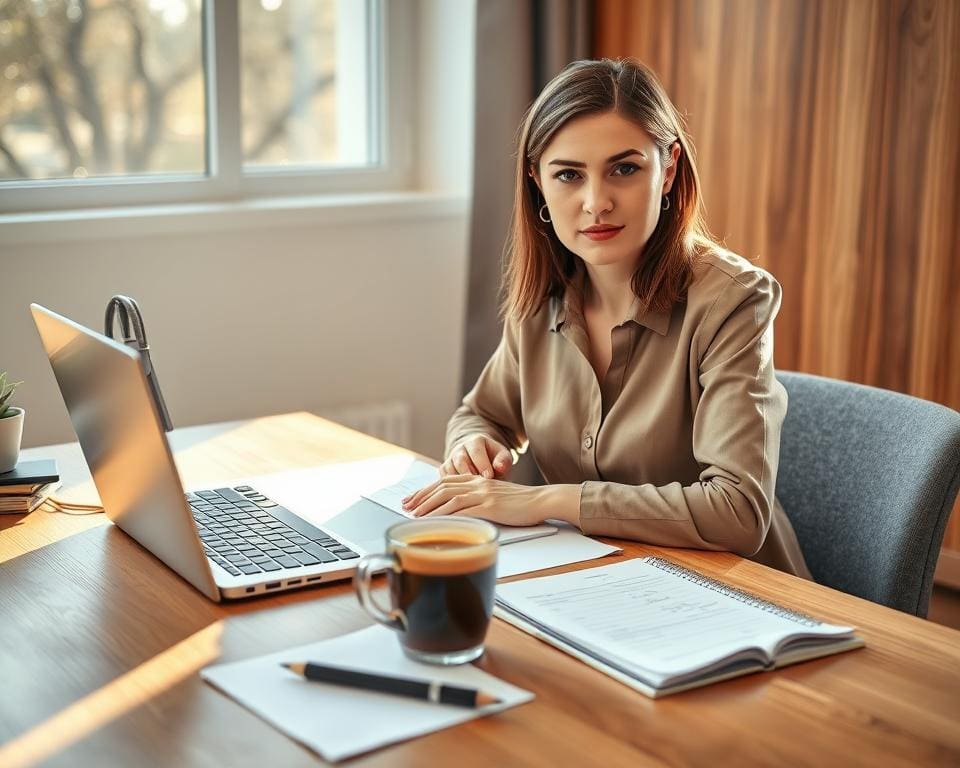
<point x="569" y="307"/>
<point x="658" y="322"/>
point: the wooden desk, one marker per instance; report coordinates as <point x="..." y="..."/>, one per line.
<point x="102" y="644"/>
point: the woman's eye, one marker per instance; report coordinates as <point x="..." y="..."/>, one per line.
<point x="566" y="175"/>
<point x="625" y="169"/>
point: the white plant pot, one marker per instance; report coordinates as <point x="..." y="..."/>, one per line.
<point x="11" y="430"/>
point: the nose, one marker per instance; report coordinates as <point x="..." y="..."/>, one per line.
<point x="597" y="198"/>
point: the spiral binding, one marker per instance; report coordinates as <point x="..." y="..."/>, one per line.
<point x="737" y="594"/>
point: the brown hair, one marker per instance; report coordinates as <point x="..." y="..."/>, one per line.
<point x="538" y="264"/>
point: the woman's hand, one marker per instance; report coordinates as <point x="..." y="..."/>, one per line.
<point x="467" y="495"/>
<point x="495" y="500"/>
<point x="478" y="455"/>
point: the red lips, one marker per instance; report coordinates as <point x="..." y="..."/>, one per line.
<point x="601" y="231"/>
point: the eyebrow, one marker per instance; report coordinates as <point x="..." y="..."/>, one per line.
<point x="613" y="159"/>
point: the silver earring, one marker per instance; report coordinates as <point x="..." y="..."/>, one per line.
<point x="665" y="205"/>
<point x="544" y="219"/>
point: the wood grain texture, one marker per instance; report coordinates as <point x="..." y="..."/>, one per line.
<point x="827" y="142"/>
<point x="103" y="644"/>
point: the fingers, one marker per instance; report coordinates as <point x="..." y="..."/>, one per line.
<point x="489" y="457"/>
<point x="473" y="457"/>
<point x="415" y="499"/>
<point x="446" y="499"/>
<point x="463" y="462"/>
<point x="479" y="451"/>
<point x="453" y="506"/>
<point x="459" y="463"/>
<point x="412" y="501"/>
<point x="478" y="455"/>
<point x="502" y="461"/>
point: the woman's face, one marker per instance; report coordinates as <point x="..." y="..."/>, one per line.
<point x="603" y="181"/>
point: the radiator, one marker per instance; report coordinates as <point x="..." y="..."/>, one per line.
<point x="391" y="421"/>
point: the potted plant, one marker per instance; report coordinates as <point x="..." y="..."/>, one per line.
<point x="11" y="425"/>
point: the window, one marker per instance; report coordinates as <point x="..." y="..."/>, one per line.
<point x="98" y="89"/>
<point x="304" y="74"/>
<point x="106" y="102"/>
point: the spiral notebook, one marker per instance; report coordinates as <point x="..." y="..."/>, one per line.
<point x="662" y="628"/>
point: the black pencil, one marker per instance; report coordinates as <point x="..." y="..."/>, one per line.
<point x="429" y="690"/>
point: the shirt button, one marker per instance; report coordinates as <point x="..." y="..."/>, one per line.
<point x="588" y="442"/>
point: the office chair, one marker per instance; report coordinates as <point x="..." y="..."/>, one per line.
<point x="868" y="478"/>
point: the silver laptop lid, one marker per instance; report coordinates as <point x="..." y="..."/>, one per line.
<point x="116" y="421"/>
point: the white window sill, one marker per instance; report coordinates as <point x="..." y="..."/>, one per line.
<point x="310" y="211"/>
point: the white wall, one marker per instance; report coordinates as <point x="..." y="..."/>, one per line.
<point x="268" y="308"/>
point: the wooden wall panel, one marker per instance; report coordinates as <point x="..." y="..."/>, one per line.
<point x="828" y="142"/>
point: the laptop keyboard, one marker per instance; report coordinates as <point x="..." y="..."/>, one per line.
<point x="244" y="532"/>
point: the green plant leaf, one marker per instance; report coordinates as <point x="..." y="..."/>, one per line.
<point x="6" y="392"/>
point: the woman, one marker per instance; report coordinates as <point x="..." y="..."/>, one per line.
<point x="637" y="354"/>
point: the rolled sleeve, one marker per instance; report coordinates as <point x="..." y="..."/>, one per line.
<point x="736" y="439"/>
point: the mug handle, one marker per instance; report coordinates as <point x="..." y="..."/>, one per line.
<point x="366" y="567"/>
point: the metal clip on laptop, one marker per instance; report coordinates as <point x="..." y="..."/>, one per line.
<point x="135" y="336"/>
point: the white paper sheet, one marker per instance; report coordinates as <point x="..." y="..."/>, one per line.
<point x="566" y="546"/>
<point x="420" y="474"/>
<point x="320" y="493"/>
<point x="339" y="722"/>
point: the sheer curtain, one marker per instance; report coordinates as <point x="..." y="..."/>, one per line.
<point x="521" y="45"/>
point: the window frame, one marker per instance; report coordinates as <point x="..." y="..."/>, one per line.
<point x="390" y="30"/>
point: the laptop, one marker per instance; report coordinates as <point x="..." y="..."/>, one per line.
<point x="230" y="542"/>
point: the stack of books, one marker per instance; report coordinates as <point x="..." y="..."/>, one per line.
<point x="24" y="488"/>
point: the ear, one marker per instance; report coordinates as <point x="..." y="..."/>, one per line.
<point x="670" y="172"/>
<point x="533" y="174"/>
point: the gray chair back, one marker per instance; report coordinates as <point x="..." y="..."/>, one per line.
<point x="868" y="478"/>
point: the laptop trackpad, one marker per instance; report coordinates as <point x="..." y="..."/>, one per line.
<point x="363" y="523"/>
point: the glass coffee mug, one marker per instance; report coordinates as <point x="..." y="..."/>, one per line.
<point x="442" y="574"/>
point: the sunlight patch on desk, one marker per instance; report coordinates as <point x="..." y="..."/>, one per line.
<point x="320" y="493"/>
<point x="34" y="531"/>
<point x="223" y="458"/>
<point x="219" y="454"/>
<point x="114" y="700"/>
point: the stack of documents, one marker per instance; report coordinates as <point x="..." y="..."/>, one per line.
<point x="661" y="628"/>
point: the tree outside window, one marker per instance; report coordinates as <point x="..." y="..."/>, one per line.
<point x="113" y="88"/>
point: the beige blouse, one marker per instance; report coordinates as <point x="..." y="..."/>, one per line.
<point x="678" y="445"/>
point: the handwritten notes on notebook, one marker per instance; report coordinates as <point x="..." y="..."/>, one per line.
<point x="660" y="627"/>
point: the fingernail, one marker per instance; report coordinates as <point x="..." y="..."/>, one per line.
<point x="487" y="473"/>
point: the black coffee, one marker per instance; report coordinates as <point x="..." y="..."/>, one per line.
<point x="445" y="590"/>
